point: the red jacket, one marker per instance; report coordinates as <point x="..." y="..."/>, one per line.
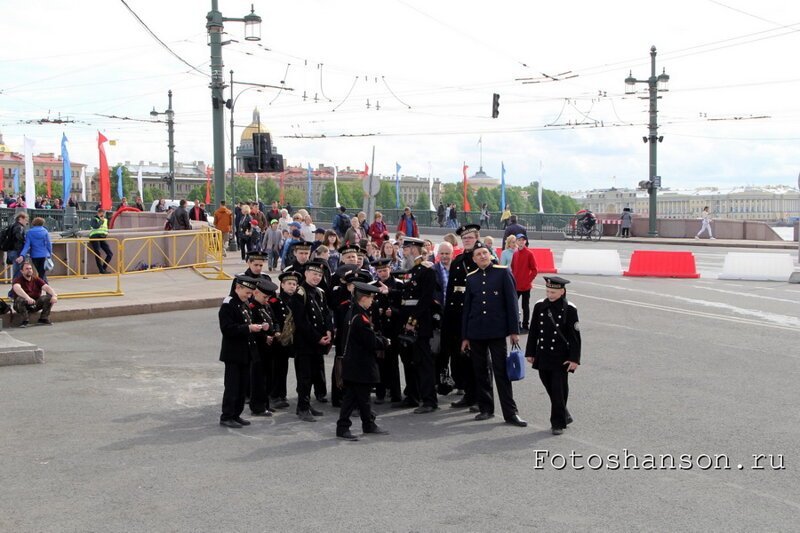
<point x="523" y="268"/>
<point x="377" y="231"/>
<point x="401" y="226"/>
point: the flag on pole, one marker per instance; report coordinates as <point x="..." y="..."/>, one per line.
<point x="120" y="192"/>
<point x="430" y="189"/>
<point x="366" y="169"/>
<point x="256" y="188"/>
<point x="16" y="181"/>
<point x="467" y="207"/>
<point x="308" y="189"/>
<point x="66" y="170"/>
<point x="48" y="180"/>
<point x="104" y="181"/>
<point x="336" y="186"/>
<point x="541" y="205"/>
<point x="139" y="183"/>
<point x="502" y="186"/>
<point x="83" y="184"/>
<point x="397" y="185"/>
<point x="30" y="184"/>
<point x="208" y="185"/>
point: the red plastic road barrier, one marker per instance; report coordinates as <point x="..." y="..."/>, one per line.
<point x="662" y="264"/>
<point x="545" y="264"/>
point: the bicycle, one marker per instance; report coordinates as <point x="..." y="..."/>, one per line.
<point x="577" y="231"/>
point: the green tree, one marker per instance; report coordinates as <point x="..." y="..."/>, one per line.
<point x="294" y="196"/>
<point x="387" y="196"/>
<point x="129" y="187"/>
<point x="152" y="193"/>
<point x="423" y="203"/>
<point x="56" y="189"/>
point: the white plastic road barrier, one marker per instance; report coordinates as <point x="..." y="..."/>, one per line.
<point x="757" y="267"/>
<point x="591" y="262"/>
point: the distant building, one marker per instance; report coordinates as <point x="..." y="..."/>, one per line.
<point x="766" y="203"/>
<point x="481" y="179"/>
<point x="187" y="176"/>
<point x="43" y="162"/>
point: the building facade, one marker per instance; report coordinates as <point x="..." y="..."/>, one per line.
<point x="42" y="163"/>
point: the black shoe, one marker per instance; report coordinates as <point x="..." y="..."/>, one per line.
<point x="24" y="324"/>
<point x="405" y="404"/>
<point x="474" y="409"/>
<point x="425" y="409"/>
<point x="346" y="435"/>
<point x="262" y="413"/>
<point x="305" y="416"/>
<point x="280" y="404"/>
<point x="242" y="421"/>
<point x="557" y="431"/>
<point x="230" y="424"/>
<point x="322" y="399"/>
<point x="44" y="322"/>
<point x="516" y="421"/>
<point x="463" y="402"/>
<point x="569" y="420"/>
<point x="377" y="430"/>
<point x="484" y="416"/>
<point x="315" y="412"/>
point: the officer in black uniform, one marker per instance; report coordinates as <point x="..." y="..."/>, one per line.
<point x="285" y="328"/>
<point x="360" y="364"/>
<point x="416" y="317"/>
<point x="261" y="367"/>
<point x="460" y="363"/>
<point x="554" y="347"/>
<point x="386" y="318"/>
<point x="313" y="338"/>
<point x="491" y="316"/>
<point x="255" y="268"/>
<point x="238" y="348"/>
<point x="301" y="250"/>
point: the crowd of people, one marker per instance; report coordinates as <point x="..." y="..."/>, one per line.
<point x="445" y="313"/>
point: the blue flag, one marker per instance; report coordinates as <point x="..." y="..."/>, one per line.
<point x="397" y="184"/>
<point x="16" y="181"/>
<point x="502" y="186"/>
<point x="67" y="172"/>
<point x="119" y="182"/>
<point x="308" y="192"/>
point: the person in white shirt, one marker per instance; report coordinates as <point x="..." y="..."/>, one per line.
<point x="705" y="220"/>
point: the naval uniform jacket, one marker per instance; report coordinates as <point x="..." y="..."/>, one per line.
<point x="490" y="304"/>
<point x="455" y="292"/>
<point x="280" y="312"/>
<point x="238" y="344"/>
<point x="249" y="274"/>
<point x="311" y="319"/>
<point x="419" y="288"/>
<point x="360" y="364"/>
<point x="545" y="344"/>
<point x="389" y="326"/>
<point x="262" y="314"/>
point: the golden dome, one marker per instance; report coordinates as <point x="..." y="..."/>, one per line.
<point x="255" y="127"/>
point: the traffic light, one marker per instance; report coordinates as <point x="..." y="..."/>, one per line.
<point x="495" y="105"/>
<point x="264" y="158"/>
<point x="646" y="185"/>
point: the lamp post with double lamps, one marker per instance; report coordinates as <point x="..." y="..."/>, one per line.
<point x="170" y="143"/>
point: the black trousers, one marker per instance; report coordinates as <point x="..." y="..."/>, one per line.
<point x="280" y="371"/>
<point x="626" y="232"/>
<point x="356" y="396"/>
<point x="425" y="371"/>
<point x="389" y="368"/>
<point x="556" y="384"/>
<point x="460" y="365"/>
<point x="411" y="390"/>
<point x="489" y="357"/>
<point x="303" y="370"/>
<point x="260" y="382"/>
<point x="236" y="378"/>
<point x="318" y="376"/>
<point x="526" y="307"/>
<point x="97" y="245"/>
<point x="336" y="393"/>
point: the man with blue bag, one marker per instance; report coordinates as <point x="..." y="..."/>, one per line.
<point x="490" y="317"/>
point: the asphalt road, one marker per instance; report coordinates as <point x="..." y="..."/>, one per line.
<point x="118" y="431"/>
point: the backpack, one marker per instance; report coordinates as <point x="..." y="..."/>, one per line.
<point x="342" y="223"/>
<point x="7" y="238"/>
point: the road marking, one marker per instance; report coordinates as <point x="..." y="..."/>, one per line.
<point x="747" y="294"/>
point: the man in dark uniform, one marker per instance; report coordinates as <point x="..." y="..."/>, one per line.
<point x="554" y="347"/>
<point x="284" y="348"/>
<point x="416" y="318"/>
<point x="460" y="363"/>
<point x="255" y="268"/>
<point x="312" y="339"/>
<point x="261" y="367"/>
<point x="360" y="364"/>
<point x="302" y="252"/>
<point x="238" y="348"/>
<point x="386" y="317"/>
<point x="491" y="316"/>
<point x="342" y="293"/>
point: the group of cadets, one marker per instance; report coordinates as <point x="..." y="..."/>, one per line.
<point x="371" y="318"/>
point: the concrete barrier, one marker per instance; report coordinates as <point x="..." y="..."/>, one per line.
<point x="757" y="267"/>
<point x="591" y="262"/>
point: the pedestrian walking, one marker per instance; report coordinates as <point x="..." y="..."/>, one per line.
<point x="705" y="221"/>
<point x="223" y="221"/>
<point x="627" y="221"/>
<point x="523" y="268"/>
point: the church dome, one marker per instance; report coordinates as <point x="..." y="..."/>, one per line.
<point x="255" y="127"/>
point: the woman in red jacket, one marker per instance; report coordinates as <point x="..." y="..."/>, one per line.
<point x="523" y="268"/>
<point x="378" y="230"/>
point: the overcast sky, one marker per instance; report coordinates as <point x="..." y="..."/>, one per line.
<point x="432" y="67"/>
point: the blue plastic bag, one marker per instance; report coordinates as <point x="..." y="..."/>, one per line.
<point x="515" y="363"/>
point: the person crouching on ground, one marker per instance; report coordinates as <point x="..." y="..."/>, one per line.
<point x="31" y="293"/>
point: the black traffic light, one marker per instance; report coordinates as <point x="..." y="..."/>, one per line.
<point x="264" y="158"/>
<point x="495" y="105"/>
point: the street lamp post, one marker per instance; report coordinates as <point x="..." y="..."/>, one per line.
<point x="655" y="84"/>
<point x="214" y="25"/>
<point x="170" y="143"/>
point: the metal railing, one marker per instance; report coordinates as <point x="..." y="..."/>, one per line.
<point x="54" y="219"/>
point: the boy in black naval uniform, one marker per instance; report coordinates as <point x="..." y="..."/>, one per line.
<point x="490" y="316"/>
<point x="416" y="316"/>
<point x="283" y="349"/>
<point x="460" y="364"/>
<point x="261" y="366"/>
<point x="360" y="364"/>
<point x="238" y="348"/>
<point x="301" y="250"/>
<point x="554" y="347"/>
<point x="386" y="316"/>
<point x="312" y="339"/>
<point x="255" y="268"/>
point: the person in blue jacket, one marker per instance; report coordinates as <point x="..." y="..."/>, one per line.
<point x="37" y="246"/>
